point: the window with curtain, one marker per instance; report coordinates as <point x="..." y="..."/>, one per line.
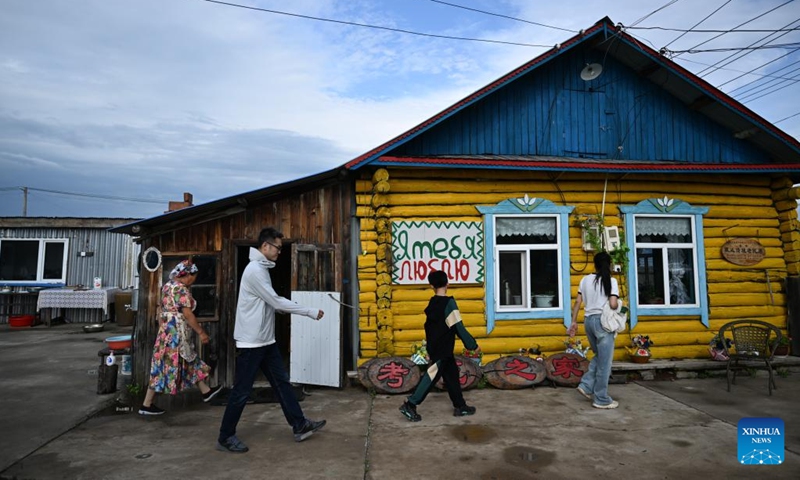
<point x="527" y="262"/>
<point x="666" y="259"/>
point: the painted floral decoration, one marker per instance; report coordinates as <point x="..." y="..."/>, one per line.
<point x="474" y="355"/>
<point x="716" y="348"/>
<point x="641" y="345"/>
<point x="419" y="353"/>
<point x="574" y="345"/>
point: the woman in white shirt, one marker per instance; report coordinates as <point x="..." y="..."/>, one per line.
<point x="595" y="290"/>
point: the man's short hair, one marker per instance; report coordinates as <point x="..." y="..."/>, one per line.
<point x="437" y="279"/>
<point x="268" y="234"/>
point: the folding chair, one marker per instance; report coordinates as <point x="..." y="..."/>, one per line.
<point x="754" y="341"/>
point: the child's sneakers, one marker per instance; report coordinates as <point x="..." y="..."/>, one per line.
<point x="463" y="411"/>
<point x="410" y="411"/>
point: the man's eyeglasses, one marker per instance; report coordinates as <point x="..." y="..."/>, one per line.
<point x="276" y="246"/>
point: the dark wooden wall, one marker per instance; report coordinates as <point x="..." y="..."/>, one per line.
<point x="321" y="215"/>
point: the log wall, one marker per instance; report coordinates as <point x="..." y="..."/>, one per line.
<point x="391" y="317"/>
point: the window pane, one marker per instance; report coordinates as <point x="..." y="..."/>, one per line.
<point x="326" y="269"/>
<point x="511" y="278"/>
<point x="681" y="276"/>
<point x="53" y="261"/>
<point x="544" y="278"/>
<point x="205" y="295"/>
<point x="526" y="230"/>
<point x="18" y="260"/>
<point x="206" y="269"/>
<point x="650" y="273"/>
<point x="306" y="271"/>
<point x="663" y="230"/>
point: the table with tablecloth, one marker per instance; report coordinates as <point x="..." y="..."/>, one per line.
<point x="72" y="298"/>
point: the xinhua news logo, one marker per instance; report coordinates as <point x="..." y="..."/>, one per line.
<point x="760" y="441"/>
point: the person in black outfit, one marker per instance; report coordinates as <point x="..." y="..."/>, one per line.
<point x="442" y="324"/>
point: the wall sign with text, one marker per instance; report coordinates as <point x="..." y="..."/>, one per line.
<point x="743" y="251"/>
<point x="418" y="248"/>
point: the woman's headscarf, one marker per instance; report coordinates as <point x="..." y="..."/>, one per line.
<point x="183" y="269"/>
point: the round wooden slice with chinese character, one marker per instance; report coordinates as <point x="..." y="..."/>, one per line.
<point x="362" y="373"/>
<point x="468" y="373"/>
<point x="393" y="374"/>
<point x="514" y="372"/>
<point x="566" y="369"/>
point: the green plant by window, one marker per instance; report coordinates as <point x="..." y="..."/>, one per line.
<point x="593" y="228"/>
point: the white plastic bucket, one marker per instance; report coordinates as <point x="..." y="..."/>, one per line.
<point x="126" y="365"/>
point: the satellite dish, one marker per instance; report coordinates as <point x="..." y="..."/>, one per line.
<point x="591" y="71"/>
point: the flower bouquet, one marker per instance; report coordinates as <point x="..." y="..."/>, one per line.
<point x="640" y="348"/>
<point x="574" y="345"/>
<point x="474" y="355"/>
<point x="717" y="349"/>
<point x="419" y="353"/>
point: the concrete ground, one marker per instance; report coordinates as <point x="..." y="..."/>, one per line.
<point x="54" y="426"/>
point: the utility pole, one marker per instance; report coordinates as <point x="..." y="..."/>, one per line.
<point x="24" y="201"/>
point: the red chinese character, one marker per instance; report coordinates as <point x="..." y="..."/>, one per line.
<point x="462" y="373"/>
<point x="516" y="366"/>
<point x="394" y="372"/>
<point x="566" y="367"/>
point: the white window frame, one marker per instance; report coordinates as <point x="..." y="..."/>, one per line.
<point x="664" y="249"/>
<point x="43" y="242"/>
<point x="667" y="207"/>
<point x="526" y="206"/>
<point x="525" y="250"/>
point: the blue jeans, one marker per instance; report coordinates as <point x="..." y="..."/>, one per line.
<point x="248" y="362"/>
<point x="596" y="379"/>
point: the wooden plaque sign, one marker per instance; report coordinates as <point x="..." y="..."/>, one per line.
<point x="514" y="372"/>
<point x="468" y="373"/>
<point x="390" y="374"/>
<point x="743" y="251"/>
<point x="566" y="369"/>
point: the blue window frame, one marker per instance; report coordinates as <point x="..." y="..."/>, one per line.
<point x="666" y="261"/>
<point x="527" y="260"/>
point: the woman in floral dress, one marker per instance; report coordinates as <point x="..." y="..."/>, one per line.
<point x="175" y="365"/>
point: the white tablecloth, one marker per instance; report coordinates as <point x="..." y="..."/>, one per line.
<point x="69" y="298"/>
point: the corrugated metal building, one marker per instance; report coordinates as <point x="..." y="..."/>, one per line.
<point x="44" y="252"/>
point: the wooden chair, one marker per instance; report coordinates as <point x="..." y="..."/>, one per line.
<point x="754" y="341"/>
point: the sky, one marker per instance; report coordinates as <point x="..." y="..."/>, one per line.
<point x="124" y="105"/>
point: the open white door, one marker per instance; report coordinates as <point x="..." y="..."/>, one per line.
<point x="315" y="346"/>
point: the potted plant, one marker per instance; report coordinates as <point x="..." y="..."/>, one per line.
<point x="639" y="352"/>
<point x="784" y="346"/>
<point x="716" y="348"/>
<point x="544" y="299"/>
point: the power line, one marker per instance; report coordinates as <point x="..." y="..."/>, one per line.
<point x="88" y="195"/>
<point x="637" y="22"/>
<point x="756" y="68"/>
<point x="696" y="24"/>
<point x="700" y="30"/>
<point x="737" y="49"/>
<point x="762" y="78"/>
<point x="787" y="118"/>
<point x="377" y="27"/>
<point x="787" y="84"/>
<point x="504" y="16"/>
<point x="741" y="24"/>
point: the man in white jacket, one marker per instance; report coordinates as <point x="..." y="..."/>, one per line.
<point x="254" y="333"/>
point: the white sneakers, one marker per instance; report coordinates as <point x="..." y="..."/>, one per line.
<point x="613" y="404"/>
